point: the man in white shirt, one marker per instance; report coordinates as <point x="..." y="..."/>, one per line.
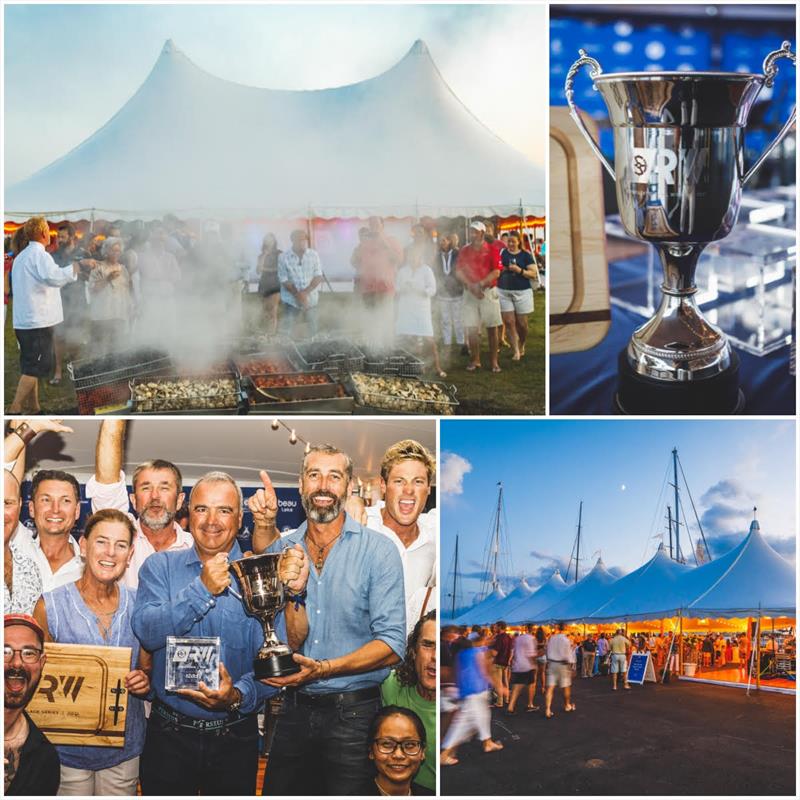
<point x="560" y="665"/>
<point x="36" y="281"/>
<point x="407" y="471"/>
<point x="156" y="498"/>
<point x="523" y="669"/>
<point x="300" y="275"/>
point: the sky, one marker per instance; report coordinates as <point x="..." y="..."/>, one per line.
<point x="618" y="468"/>
<point x="92" y="58"/>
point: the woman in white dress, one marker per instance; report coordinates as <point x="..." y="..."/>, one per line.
<point x="415" y="286"/>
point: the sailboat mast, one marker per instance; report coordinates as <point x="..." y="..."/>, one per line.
<point x="455" y="578"/>
<point x="669" y="527"/>
<point x="677" y="506"/>
<point x="496" y="553"/>
<point x="578" y="549"/>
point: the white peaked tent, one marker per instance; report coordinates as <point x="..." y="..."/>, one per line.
<point x="639" y="593"/>
<point x="400" y="144"/>
<point x="589" y="593"/>
<point x="474" y="615"/>
<point x="498" y="610"/>
<point x="752" y="579"/>
<point x="549" y="593"/>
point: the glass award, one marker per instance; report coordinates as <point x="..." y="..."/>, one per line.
<point x="191" y="659"/>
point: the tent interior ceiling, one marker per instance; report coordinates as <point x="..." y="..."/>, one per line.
<point x="399" y="144"/>
<point x="239" y="446"/>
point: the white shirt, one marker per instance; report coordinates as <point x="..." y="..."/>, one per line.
<point x="419" y="562"/>
<point x="523" y="658"/>
<point x="36" y="282"/>
<point x="30" y="546"/>
<point x="559" y="648"/>
<point x="115" y="495"/>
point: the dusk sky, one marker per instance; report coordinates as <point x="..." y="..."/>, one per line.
<point x="90" y="59"/>
<point x="618" y="468"/>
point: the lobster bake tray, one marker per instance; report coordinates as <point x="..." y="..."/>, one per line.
<point x="189" y="394"/>
<point x="385" y="394"/>
<point x="296" y="393"/>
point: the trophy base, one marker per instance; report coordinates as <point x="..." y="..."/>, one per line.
<point x="276" y="665"/>
<point x="638" y="394"/>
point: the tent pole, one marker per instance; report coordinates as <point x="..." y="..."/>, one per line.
<point x="680" y="643"/>
<point x="758" y="650"/>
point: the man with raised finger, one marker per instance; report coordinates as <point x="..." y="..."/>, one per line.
<point x="205" y="741"/>
<point x="354" y="608"/>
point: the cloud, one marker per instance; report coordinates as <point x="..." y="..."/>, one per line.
<point x="454" y="468"/>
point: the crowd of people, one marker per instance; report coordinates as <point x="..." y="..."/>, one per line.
<point x="487" y="667"/>
<point x="358" y="718"/>
<point x="78" y="294"/>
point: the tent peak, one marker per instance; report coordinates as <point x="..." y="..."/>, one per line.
<point x="419" y="48"/>
<point x="169" y="48"/>
<point x="754" y="526"/>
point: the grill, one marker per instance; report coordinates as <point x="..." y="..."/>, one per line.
<point x="392" y="362"/>
<point x="105" y="381"/>
<point x="335" y="355"/>
<point x="212" y="393"/>
<point x="384" y="394"/>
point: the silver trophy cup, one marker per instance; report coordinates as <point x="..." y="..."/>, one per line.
<point x="263" y="595"/>
<point x="679" y="173"/>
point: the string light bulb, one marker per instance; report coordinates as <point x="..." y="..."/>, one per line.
<point x="275" y="424"/>
<point x="292" y="437"/>
<point x="308" y="448"/>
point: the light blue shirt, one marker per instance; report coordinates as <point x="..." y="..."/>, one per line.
<point x="299" y="272"/>
<point x="71" y="621"/>
<point x="357" y="598"/>
<point x="173" y="601"/>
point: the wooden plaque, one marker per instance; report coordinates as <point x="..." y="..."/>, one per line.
<point x="580" y="303"/>
<point x="81" y="697"/>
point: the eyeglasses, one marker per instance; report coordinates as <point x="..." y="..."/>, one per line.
<point x="411" y="747"/>
<point x="29" y="655"/>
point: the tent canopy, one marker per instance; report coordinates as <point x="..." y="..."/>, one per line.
<point x="638" y="593"/>
<point x="589" y="593"/>
<point x="472" y="615"/>
<point x="498" y="610"/>
<point x="400" y="144"/>
<point x="545" y="596"/>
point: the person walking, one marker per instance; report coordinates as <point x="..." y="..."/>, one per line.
<point x="560" y="666"/>
<point x="620" y="647"/>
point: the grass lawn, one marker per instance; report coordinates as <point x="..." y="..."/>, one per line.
<point x="518" y="389"/>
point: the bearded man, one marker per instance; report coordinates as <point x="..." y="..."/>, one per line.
<point x="157" y="496"/>
<point x="31" y="765"/>
<point x="355" y="614"/>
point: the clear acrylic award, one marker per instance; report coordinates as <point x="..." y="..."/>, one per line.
<point x="191" y="659"/>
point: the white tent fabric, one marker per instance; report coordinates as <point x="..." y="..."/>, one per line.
<point x="472" y="616"/>
<point x="639" y="592"/>
<point x="497" y="611"/>
<point x="549" y="593"/>
<point x="400" y="144"/>
<point x="588" y="594"/>
<point x="751" y="578"/>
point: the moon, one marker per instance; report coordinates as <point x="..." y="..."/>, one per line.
<point x="623" y="487"/>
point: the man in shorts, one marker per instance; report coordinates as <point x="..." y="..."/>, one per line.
<point x="478" y="269"/>
<point x="619" y="647"/>
<point x="523" y="669"/>
<point x="36" y="281"/>
<point x="560" y="666"/>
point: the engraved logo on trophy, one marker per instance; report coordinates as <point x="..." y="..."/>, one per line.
<point x="263" y="595"/>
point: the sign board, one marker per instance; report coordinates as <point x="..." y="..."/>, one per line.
<point x="81" y="698"/>
<point x="641" y="669"/>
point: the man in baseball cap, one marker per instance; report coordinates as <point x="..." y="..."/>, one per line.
<point x="31" y="765"/>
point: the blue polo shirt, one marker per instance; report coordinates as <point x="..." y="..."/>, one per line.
<point x="357" y="598"/>
<point x="172" y="601"/>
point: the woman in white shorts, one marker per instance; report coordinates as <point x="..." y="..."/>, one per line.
<point x="516" y="294"/>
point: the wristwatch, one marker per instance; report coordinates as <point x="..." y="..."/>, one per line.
<point x="234" y="707"/>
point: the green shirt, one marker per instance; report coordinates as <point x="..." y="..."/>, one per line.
<point x="393" y="694"/>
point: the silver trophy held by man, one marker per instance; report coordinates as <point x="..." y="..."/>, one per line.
<point x="264" y="596"/>
<point x="679" y="173"/>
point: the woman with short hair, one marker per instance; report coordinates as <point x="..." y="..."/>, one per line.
<point x="96" y="610"/>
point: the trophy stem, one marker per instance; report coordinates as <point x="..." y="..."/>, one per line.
<point x="679" y="262"/>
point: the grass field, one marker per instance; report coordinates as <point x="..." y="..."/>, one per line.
<point x="518" y="389"/>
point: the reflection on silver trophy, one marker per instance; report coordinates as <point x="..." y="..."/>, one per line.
<point x="679" y="173"/>
<point x="263" y="595"/>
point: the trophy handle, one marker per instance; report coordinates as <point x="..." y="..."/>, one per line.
<point x="770" y="71"/>
<point x="594" y="70"/>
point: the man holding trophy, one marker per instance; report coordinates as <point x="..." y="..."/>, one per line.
<point x="202" y="734"/>
<point x="354" y="607"/>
